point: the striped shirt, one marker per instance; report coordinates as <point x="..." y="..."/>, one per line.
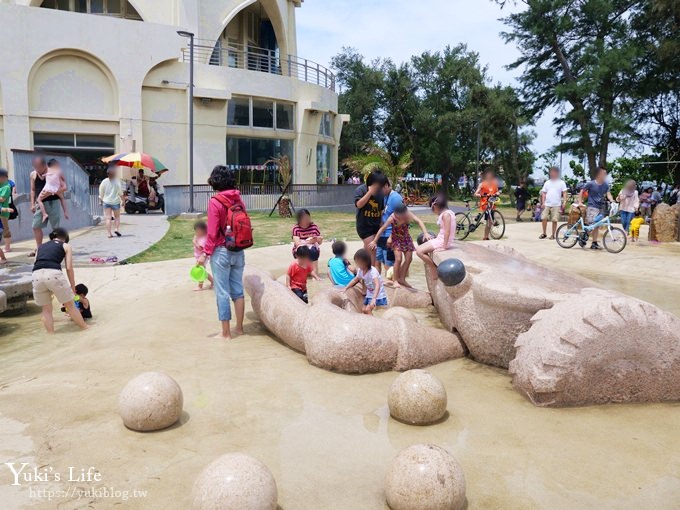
<point x="305" y="233"/>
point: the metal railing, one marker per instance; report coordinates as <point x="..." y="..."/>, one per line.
<point x="263" y="197"/>
<point x="263" y="60"/>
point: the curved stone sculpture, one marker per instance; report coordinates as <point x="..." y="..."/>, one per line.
<point x="150" y="401"/>
<point x="566" y="341"/>
<point x="16" y="282"/>
<point x="417" y="397"/>
<point x="335" y="337"/>
<point x="596" y="349"/>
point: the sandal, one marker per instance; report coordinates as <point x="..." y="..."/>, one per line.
<point x="118" y="233"/>
<point x="542" y="236"/>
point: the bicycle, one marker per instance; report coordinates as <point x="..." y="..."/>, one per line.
<point x="465" y="224"/>
<point x="614" y="239"/>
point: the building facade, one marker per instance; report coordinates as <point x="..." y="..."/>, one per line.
<point x="95" y="77"/>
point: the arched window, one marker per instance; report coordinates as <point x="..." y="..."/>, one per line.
<point x="115" y="8"/>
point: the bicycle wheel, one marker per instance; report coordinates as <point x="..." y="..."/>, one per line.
<point x="614" y="240"/>
<point x="498" y="226"/>
<point x="567" y="236"/>
<point x="462" y="226"/>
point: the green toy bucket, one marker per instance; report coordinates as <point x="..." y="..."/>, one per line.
<point x="198" y="274"/>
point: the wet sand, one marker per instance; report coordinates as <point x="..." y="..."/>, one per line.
<point x="327" y="437"/>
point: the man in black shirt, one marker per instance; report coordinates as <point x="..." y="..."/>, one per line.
<point x="369" y="201"/>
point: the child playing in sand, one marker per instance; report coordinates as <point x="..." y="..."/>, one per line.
<point x="82" y="303"/>
<point x="306" y="233"/>
<point x="369" y="275"/>
<point x="635" y="225"/>
<point x="55" y="184"/>
<point x="340" y="271"/>
<point x="401" y="241"/>
<point x="200" y="236"/>
<point x="447" y="233"/>
<point x="299" y="270"/>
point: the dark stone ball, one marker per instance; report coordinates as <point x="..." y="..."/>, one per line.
<point x="451" y="272"/>
<point x="421" y="237"/>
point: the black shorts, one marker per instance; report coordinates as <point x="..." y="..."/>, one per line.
<point x="301" y="294"/>
<point x="367" y="232"/>
<point x="521" y="205"/>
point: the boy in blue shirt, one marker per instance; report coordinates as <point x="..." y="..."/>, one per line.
<point x="339" y="269"/>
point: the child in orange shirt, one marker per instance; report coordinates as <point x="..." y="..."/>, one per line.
<point x="487" y="188"/>
<point x="299" y="270"/>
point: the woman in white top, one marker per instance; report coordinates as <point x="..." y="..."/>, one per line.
<point x="629" y="202"/>
<point x="111" y="197"/>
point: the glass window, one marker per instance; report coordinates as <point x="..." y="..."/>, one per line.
<point x="53" y="140"/>
<point x="97" y="6"/>
<point x="325" y="128"/>
<point x="323" y="163"/>
<point x="62" y="5"/>
<point x="238" y="112"/>
<point x="263" y="113"/>
<point x="248" y="157"/>
<point x="113" y="6"/>
<point x="95" y="141"/>
<point x="81" y="6"/>
<point x="284" y="116"/>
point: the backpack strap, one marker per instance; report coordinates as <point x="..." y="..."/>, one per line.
<point x="224" y="201"/>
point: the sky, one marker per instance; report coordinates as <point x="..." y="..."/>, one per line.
<point x="398" y="29"/>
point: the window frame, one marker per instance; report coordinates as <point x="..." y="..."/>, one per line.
<point x="275" y="103"/>
<point x="74" y="145"/>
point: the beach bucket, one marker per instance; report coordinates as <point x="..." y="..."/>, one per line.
<point x="198" y="274"/>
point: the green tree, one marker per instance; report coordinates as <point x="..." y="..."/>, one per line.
<point x="376" y="158"/>
<point x="579" y="57"/>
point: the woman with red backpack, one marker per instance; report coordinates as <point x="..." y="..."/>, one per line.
<point x="229" y="233"/>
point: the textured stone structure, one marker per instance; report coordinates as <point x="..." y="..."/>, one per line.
<point x="417" y="397"/>
<point x="334" y="336"/>
<point x="150" y="401"/>
<point x="16" y="282"/>
<point x="425" y="477"/>
<point x="235" y="482"/>
<point x="565" y="341"/>
<point x="665" y="223"/>
<point x="3" y="301"/>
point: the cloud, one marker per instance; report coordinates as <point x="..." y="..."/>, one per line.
<point x="399" y="29"/>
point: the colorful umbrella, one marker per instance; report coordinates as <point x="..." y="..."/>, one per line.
<point x="137" y="160"/>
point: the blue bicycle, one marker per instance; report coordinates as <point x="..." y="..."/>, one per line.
<point x="614" y="239"/>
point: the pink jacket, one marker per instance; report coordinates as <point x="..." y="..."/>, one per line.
<point x="217" y="220"/>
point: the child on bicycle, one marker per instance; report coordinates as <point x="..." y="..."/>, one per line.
<point x="487" y="189"/>
<point x="447" y="233"/>
<point x="401" y="241"/>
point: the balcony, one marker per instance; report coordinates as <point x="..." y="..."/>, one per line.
<point x="262" y="60"/>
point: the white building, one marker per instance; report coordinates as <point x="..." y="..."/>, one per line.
<point x="96" y="77"/>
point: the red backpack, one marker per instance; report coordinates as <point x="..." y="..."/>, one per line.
<point x="241" y="236"/>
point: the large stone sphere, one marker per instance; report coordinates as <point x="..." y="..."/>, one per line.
<point x="400" y="311"/>
<point x="235" y="481"/>
<point x="451" y="272"/>
<point x="417" y="397"/>
<point x="150" y="401"/>
<point x="421" y="237"/>
<point x="425" y="477"/>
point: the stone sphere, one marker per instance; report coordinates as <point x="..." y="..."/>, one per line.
<point x="235" y="481"/>
<point x="421" y="237"/>
<point x="417" y="397"/>
<point x="399" y="311"/>
<point x="425" y="477"/>
<point x="150" y="401"/>
<point x="451" y="272"/>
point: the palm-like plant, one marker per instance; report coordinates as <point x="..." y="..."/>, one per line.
<point x="376" y="158"/>
<point x="285" y="176"/>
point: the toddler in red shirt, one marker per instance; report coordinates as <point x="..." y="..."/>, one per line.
<point x="299" y="270"/>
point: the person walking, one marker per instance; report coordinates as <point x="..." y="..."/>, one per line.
<point x="522" y="195"/>
<point x="598" y="190"/>
<point x="6" y="191"/>
<point x="384" y="254"/>
<point x="629" y="202"/>
<point x="111" y="197"/>
<point x="38" y="178"/>
<point x="49" y="279"/>
<point x="369" y="202"/>
<point x="553" y="200"/>
<point x="227" y="264"/>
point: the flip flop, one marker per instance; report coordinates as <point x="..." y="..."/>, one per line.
<point x="118" y="233"/>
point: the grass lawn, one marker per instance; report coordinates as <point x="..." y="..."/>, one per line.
<point x="270" y="231"/>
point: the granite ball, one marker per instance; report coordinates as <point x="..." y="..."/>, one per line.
<point x="417" y="397"/>
<point x="235" y="481"/>
<point x="425" y="477"/>
<point x="421" y="237"/>
<point x="150" y="401"/>
<point x="451" y="272"/>
<point x="400" y="311"/>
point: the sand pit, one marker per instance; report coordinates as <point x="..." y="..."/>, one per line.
<point x="327" y="438"/>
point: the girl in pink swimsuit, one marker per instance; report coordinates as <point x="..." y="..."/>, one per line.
<point x="447" y="233"/>
<point x="55" y="184"/>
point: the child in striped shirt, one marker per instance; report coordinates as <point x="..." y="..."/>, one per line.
<point x="306" y="233"/>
